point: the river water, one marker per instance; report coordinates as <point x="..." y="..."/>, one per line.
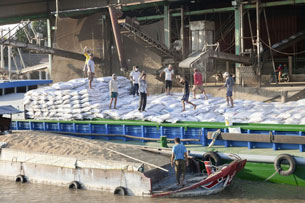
<point x="239" y="191"/>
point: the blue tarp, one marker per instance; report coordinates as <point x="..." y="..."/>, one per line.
<point x="9" y="109"/>
<point x="23" y="83"/>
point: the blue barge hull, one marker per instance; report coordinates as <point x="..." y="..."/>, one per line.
<point x="193" y="132"/>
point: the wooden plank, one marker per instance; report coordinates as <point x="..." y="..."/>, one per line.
<point x="120" y="135"/>
<point x="286" y="139"/>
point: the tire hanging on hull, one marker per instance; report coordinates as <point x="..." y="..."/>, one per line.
<point x="213" y="157"/>
<point x="285" y="158"/>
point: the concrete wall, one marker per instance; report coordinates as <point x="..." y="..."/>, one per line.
<point x="74" y="35"/>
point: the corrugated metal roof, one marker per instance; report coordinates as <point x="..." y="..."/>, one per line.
<point x="9" y="109"/>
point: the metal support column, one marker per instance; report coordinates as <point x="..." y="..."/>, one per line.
<point x="9" y="57"/>
<point x="40" y="75"/>
<point x="167" y="26"/>
<point x="237" y="41"/>
<point x="290" y="67"/>
<point x="241" y="12"/>
<point x="2" y="54"/>
<point x="117" y="36"/>
<point x="182" y="33"/>
<point x="49" y="45"/>
<point x="227" y="66"/>
<point x="258" y="42"/>
<point x="269" y="43"/>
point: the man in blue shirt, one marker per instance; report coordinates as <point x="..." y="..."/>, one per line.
<point x="179" y="155"/>
<point x="229" y="85"/>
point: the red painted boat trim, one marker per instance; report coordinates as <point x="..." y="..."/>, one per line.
<point x="234" y="167"/>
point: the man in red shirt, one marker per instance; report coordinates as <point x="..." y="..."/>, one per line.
<point x="198" y="84"/>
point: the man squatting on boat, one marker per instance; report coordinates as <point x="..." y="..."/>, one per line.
<point x="179" y="156"/>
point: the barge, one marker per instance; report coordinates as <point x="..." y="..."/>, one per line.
<point x="261" y="156"/>
<point x="132" y="176"/>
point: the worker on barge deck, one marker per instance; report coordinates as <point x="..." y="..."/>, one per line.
<point x="179" y="155"/>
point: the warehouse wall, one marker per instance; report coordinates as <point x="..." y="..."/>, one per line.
<point x="75" y="34"/>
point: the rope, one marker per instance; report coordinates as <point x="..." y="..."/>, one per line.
<point x="214" y="137"/>
<point x="285" y="53"/>
<point x="276" y="171"/>
<point x="235" y="156"/>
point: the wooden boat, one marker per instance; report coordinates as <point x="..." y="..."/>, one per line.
<point x="197" y="184"/>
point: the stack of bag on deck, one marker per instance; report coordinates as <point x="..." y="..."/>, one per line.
<point x="73" y="101"/>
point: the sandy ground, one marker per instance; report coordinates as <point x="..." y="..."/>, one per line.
<point x="16" y="100"/>
<point x="55" y="144"/>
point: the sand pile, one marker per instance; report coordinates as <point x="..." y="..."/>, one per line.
<point x="35" y="141"/>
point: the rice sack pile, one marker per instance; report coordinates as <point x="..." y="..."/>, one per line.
<point x="73" y="101"/>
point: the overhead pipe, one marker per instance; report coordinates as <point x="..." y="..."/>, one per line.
<point x="47" y="50"/>
<point x="226" y="9"/>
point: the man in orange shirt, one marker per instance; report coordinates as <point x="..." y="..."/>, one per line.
<point x="198" y="84"/>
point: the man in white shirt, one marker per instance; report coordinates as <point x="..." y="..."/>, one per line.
<point x="91" y="69"/>
<point x="134" y="77"/>
<point x="169" y="72"/>
<point x="143" y="92"/>
<point x="113" y="90"/>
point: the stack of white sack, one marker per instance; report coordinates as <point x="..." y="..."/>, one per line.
<point x="73" y="101"/>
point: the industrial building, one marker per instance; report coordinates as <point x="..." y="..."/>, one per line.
<point x="249" y="39"/>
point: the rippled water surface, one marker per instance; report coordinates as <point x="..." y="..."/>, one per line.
<point x="239" y="191"/>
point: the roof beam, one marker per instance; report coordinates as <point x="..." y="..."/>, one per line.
<point x="17" y="19"/>
<point x="226" y="9"/>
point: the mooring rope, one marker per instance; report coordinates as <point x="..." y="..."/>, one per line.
<point x="214" y="137"/>
<point x="276" y="171"/>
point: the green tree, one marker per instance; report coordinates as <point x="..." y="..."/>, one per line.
<point x="39" y="26"/>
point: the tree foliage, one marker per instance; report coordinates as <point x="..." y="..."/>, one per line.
<point x="39" y="26"/>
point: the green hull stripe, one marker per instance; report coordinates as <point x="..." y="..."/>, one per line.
<point x="262" y="171"/>
<point x="186" y="124"/>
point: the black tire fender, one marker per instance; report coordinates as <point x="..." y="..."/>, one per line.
<point x="75" y="185"/>
<point x="20" y="179"/>
<point x="120" y="191"/>
<point x="285" y="157"/>
<point x="213" y="157"/>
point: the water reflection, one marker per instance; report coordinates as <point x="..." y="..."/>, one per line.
<point x="239" y="191"/>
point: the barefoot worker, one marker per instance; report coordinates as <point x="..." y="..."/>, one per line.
<point x="113" y="90"/>
<point x="179" y="156"/>
<point x="186" y="93"/>
<point x="91" y="69"/>
<point x="134" y="77"/>
<point x="169" y="72"/>
<point x="229" y="85"/>
<point x="143" y="92"/>
<point x="198" y="84"/>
